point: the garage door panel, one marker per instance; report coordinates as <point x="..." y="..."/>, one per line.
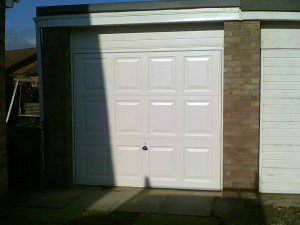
<point x="198" y="164"/>
<point x="278" y="101"/>
<point x="283" y="178"/>
<point x="162" y="163"/>
<point x="291" y="85"/>
<point x="278" y="163"/>
<point x="278" y="147"/>
<point x="127" y="158"/>
<point x="281" y="109"/>
<point x="282" y="175"/>
<point x="198" y="73"/>
<point x="128" y="161"/>
<point x="280" y="121"/>
<point x="282" y="140"/>
<point x="286" y="61"/>
<point x="127" y="73"/>
<point x="92" y="76"/>
<point x="147" y="102"/>
<point x="162" y="118"/>
<point x="281" y="94"/>
<point x="128" y="117"/>
<point x="197" y="118"/>
<point x="201" y="73"/>
<point x="281" y="117"/>
<point x="92" y="118"/>
<point x="277" y="187"/>
<point x="281" y="53"/>
<point x="282" y="78"/>
<point x="281" y="70"/>
<point x="282" y="155"/>
<point x="95" y="162"/>
<point x="162" y="74"/>
<point x="281" y="125"/>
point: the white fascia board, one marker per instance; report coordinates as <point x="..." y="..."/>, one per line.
<point x="271" y="16"/>
<point x="141" y="17"/>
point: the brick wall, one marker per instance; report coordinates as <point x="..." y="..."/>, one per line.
<point x="241" y="104"/>
<point x="56" y="59"/>
<point x="3" y="153"/>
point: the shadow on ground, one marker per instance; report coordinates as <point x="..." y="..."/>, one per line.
<point x="116" y="205"/>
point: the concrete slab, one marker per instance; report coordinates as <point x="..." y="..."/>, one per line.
<point x="188" y="205"/>
<point x="125" y="189"/>
<point x="38" y="215"/>
<point x="93" y="200"/>
<point x="144" y="201"/>
<point x="51" y="198"/>
<point x="208" y="194"/>
<point x="160" y="219"/>
<point x="170" y="191"/>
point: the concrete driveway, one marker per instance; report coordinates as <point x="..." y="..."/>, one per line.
<point x="99" y="205"/>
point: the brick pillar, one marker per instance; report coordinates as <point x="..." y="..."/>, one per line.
<point x="3" y="153"/>
<point x="241" y="104"/>
<point x="56" y="58"/>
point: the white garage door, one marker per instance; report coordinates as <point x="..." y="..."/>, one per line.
<point x="280" y="119"/>
<point x="148" y="118"/>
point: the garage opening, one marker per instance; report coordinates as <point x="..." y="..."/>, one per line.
<point x="147" y="104"/>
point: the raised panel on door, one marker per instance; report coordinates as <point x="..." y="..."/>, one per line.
<point x="129" y="162"/>
<point x="162" y="118"/>
<point x="94" y="162"/>
<point x="91" y="119"/>
<point x="91" y="74"/>
<point x="162" y="73"/>
<point x="127" y="74"/>
<point x="164" y="163"/>
<point x="199" y="164"/>
<point x="201" y="72"/>
<point x="198" y="118"/>
<point x="128" y="117"/>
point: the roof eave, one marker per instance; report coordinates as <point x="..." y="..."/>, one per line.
<point x="134" y="6"/>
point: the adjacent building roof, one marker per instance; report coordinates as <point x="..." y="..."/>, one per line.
<point x="21" y="61"/>
<point x="10" y="3"/>
<point x="245" y="5"/>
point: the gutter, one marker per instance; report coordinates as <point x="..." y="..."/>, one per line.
<point x="41" y="98"/>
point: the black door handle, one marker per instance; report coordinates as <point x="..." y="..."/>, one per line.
<point x="145" y="148"/>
